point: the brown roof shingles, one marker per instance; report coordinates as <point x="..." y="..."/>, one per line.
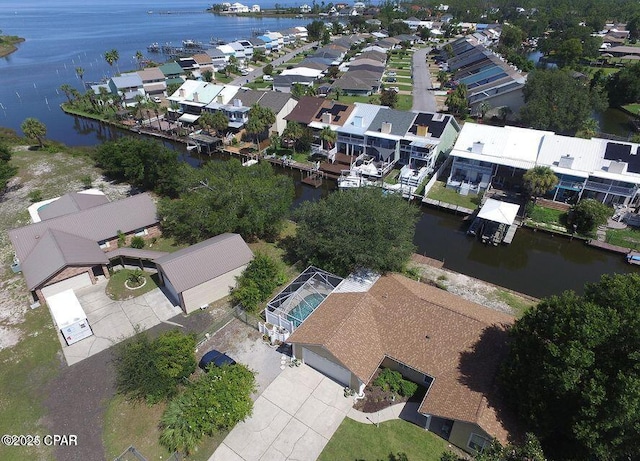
<point x="458" y="343"/>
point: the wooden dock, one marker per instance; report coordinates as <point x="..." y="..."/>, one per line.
<point x="313" y="179"/>
<point x="447" y="206"/>
<point x="608" y="246"/>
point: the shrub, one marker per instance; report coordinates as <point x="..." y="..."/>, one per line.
<point x="407" y="388"/>
<point x="35" y="195"/>
<point x="136" y="277"/>
<point x="152" y="369"/>
<point x="589" y="214"/>
<point x="257" y="282"/>
<point x="392" y="381"/>
<point x="87" y="181"/>
<point x="137" y="242"/>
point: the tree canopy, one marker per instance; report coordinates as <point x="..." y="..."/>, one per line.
<point x="556" y="101"/>
<point x="152" y="369"/>
<point x="624" y="86"/>
<point x="338" y="233"/>
<point x="257" y="282"/>
<point x="588" y="214"/>
<point x="142" y="163"/>
<point x="315" y="30"/>
<point x="227" y="197"/>
<point x="573" y="371"/>
<point x="34" y="129"/>
<point x="7" y="171"/>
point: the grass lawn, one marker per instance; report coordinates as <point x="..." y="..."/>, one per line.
<point x="357" y="441"/>
<point x="633" y="108"/>
<point x="548" y="216"/>
<point x="220" y="77"/>
<point x="628" y="238"/>
<point x="117" y="290"/>
<point x="275" y="251"/>
<point x="405" y="102"/>
<point x="132" y="423"/>
<point x="440" y="192"/>
<point x="403" y="73"/>
<point x="351" y="99"/>
<point x="520" y="305"/>
<point x="167" y="244"/>
<point x="26" y="368"/>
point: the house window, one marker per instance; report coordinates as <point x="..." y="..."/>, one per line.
<point x="141" y="232"/>
<point x="104" y="245"/>
<point x="478" y="442"/>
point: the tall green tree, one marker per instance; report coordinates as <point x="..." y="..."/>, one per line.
<point x="573" y="371"/>
<point x="315" y="30"/>
<point x="556" y="101"/>
<point x="34" y="129"/>
<point x="328" y="137"/>
<point x="588" y="214"/>
<point x="258" y="281"/>
<point x="214" y="120"/>
<point x="457" y="100"/>
<point x="112" y="57"/>
<point x="227" y="197"/>
<point x="389" y="98"/>
<point x="539" y="180"/>
<point x="260" y="120"/>
<point x="142" y="163"/>
<point x="80" y="74"/>
<point x="623" y="87"/>
<point x="338" y="233"/>
<point x="7" y="171"/>
<point x="292" y="133"/>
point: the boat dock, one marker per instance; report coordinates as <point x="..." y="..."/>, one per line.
<point x="447" y="206"/>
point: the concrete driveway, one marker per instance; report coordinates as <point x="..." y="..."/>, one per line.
<point x="293" y="419"/>
<point x="113" y="321"/>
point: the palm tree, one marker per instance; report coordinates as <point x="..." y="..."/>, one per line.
<point x="505" y="111"/>
<point x="589" y="128"/>
<point x="80" y="74"/>
<point x="35" y="129"/>
<point x="291" y="133"/>
<point x="139" y="57"/>
<point x="483" y="108"/>
<point x="67" y="90"/>
<point x="328" y="136"/>
<point x="539" y="180"/>
<point x="112" y="57"/>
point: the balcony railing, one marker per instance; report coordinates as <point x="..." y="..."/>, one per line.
<point x="317" y="149"/>
<point x="610" y="189"/>
<point x="571" y="185"/>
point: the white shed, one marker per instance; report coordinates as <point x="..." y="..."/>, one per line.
<point x="205" y="272"/>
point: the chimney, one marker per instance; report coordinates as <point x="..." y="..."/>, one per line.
<point x="422" y="131"/>
<point x="326" y="117"/>
<point x="195" y="97"/>
<point x="220" y="99"/>
<point x="237" y="103"/>
<point x="181" y="92"/>
<point x="386" y="127"/>
<point x="477" y="147"/>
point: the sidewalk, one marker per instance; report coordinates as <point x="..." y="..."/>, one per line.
<point x="407" y="411"/>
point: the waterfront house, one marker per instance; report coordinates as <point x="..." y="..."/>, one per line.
<point x="203" y="62"/>
<point x="269" y="43"/>
<point x="127" y="87"/>
<point x="173" y="73"/>
<point x="189" y="100"/>
<point x="153" y="81"/>
<point x="218" y="58"/>
<point x="238" y="51"/>
<point x="305" y="110"/>
<point x="451" y="346"/>
<point x="608" y="171"/>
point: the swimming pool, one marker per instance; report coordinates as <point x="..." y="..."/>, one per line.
<point x="304" y="308"/>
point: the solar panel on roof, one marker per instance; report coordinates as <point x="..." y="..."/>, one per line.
<point x="622" y="152"/>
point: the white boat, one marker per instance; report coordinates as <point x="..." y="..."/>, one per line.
<point x="352" y="180"/>
<point x="250" y="162"/>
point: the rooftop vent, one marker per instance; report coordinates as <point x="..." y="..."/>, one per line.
<point x="357" y="121"/>
<point x="477" y="147"/>
<point x="386" y="127"/>
<point x="326" y="117"/>
<point x="566" y="161"/>
<point x="195" y="97"/>
<point x="618" y="167"/>
<point x="237" y="103"/>
<point x="422" y="130"/>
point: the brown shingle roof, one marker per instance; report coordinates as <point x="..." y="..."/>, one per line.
<point x="458" y="343"/>
<point x="305" y="110"/>
<point x="205" y="261"/>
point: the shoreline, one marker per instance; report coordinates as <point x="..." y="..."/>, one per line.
<point x="9" y="47"/>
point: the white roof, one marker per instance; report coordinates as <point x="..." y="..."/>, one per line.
<point x="65" y="308"/>
<point x="497" y="211"/>
<point x="188" y="118"/>
<point x="588" y="154"/>
<point x="509" y="146"/>
<point x="303" y="71"/>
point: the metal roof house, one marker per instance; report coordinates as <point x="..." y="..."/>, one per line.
<point x="70" y="249"/>
<point x="127" y="86"/>
<point x="204" y="272"/>
<point x="451" y="346"/>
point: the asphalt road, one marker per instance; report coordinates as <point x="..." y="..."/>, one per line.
<point x="257" y="71"/>
<point x="423" y="100"/>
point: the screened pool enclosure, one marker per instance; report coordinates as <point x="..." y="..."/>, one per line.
<point x="300" y="298"/>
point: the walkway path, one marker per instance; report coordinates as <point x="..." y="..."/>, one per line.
<point x="407" y="411"/>
<point x="423" y="100"/>
<point x="257" y="71"/>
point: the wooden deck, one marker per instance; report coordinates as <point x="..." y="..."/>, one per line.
<point x="313" y="179"/>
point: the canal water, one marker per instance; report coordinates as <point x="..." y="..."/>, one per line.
<point x="66" y="34"/>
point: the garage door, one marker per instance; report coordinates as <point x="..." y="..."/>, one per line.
<point x="327" y="367"/>
<point x="73" y="283"/>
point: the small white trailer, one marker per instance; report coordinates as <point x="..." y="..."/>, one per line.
<point x="69" y="316"/>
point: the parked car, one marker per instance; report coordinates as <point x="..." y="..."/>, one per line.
<point x="157" y="99"/>
<point x="215" y="358"/>
<point x="267" y="78"/>
<point x="244" y="72"/>
<point x="392" y="80"/>
<point x="391" y="74"/>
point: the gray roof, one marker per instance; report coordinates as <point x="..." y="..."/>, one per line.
<point x="70" y="203"/>
<point x="400" y="121"/>
<point x="129" y="252"/>
<point x="248" y="97"/>
<point x="205" y="261"/>
<point x="127" y="81"/>
<point x="96" y="224"/>
<point x="214" y="53"/>
<point x="54" y="251"/>
<point x="275" y="100"/>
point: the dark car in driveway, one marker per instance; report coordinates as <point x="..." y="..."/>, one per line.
<point x="215" y="358"/>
